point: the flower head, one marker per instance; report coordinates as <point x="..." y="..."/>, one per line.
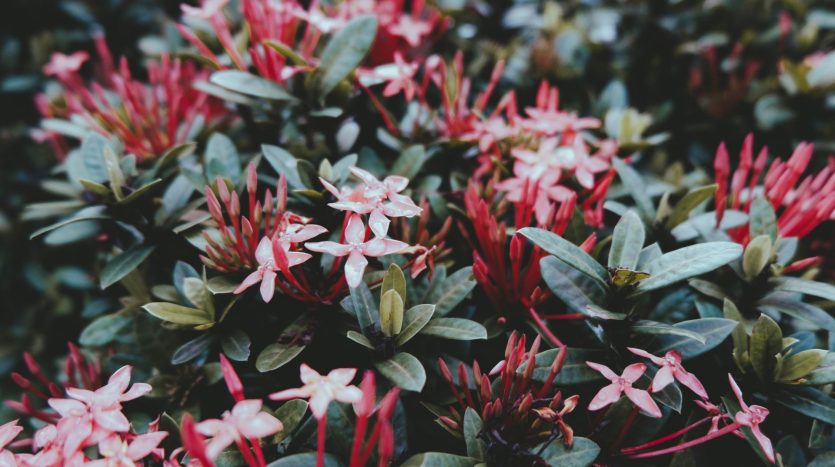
<point x="357" y="248"/>
<point x="321" y="390"/>
<point x="671" y="369"/>
<point x="752" y="417"/>
<point x="266" y="254"/>
<point x="63" y="65"/>
<point x="244" y="421"/>
<point x="623" y="385"/>
<point x="8" y="432"/>
<point x="117" y="452"/>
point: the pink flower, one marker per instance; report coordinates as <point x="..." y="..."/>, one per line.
<point x="245" y="421"/>
<point x="671" y="369"/>
<point x="548" y="119"/>
<point x="8" y="432"/>
<point x="410" y="29"/>
<point x="89" y="416"/>
<point x="623" y="385"/>
<point x="356" y="248"/>
<point x="207" y="10"/>
<point x="62" y="65"/>
<point x="265" y="254"/>
<point x="321" y="390"/>
<point x="117" y="452"/>
<point x="399" y="77"/>
<point x="752" y="417"/>
<point x="577" y="158"/>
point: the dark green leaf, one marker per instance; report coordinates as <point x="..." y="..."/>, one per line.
<point x="568" y="252"/>
<point x="809" y="402"/>
<point x="236" y="345"/>
<point x="454" y="328"/>
<point x="178" y="314"/>
<point x="365" y="308"/>
<point x="472" y="429"/>
<point x="799" y="310"/>
<point x="284" y="163"/>
<point x="305" y="459"/>
<point x="414" y="320"/>
<point x="404" y="370"/>
<point x="627" y="242"/>
<point x="763" y="220"/>
<point x="276" y="355"/>
<point x="713" y="330"/>
<point x="662" y="329"/>
<point x="450" y="292"/>
<point x="345" y="51"/>
<point x="221" y="159"/>
<point x="250" y="85"/>
<point x="815" y="289"/>
<point x="104" y="329"/>
<point x="690" y="201"/>
<point x="123" y="264"/>
<point x="636" y="187"/>
<point x="688" y="262"/>
<point x="766" y="342"/>
<point x="439" y="459"/>
<point x="581" y="454"/>
<point x="191" y="349"/>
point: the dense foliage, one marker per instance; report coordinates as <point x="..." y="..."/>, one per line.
<point x="441" y="233"/>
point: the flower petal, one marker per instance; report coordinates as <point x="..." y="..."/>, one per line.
<point x="603" y="370"/>
<point x="268" y="286"/>
<point x="662" y="378"/>
<point x="605" y="397"/>
<point x="331" y="248"/>
<point x="643" y="400"/>
<point x="634" y="371"/>
<point x="354" y="268"/>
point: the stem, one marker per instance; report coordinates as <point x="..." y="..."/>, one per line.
<point x="565" y="316"/>
<point x="666" y="438"/>
<point x="710" y="436"/>
<point x="320" y="441"/>
<point x="359" y="434"/>
<point x="250" y="461"/>
<point x="630" y="420"/>
<point x="543" y="328"/>
<point x="259" y="453"/>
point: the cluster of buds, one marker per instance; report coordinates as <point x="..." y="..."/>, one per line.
<point x="148" y="117"/>
<point x="266" y="241"/>
<point x="510" y="277"/>
<point x="78" y="371"/>
<point x="520" y="413"/>
<point x="274" y="26"/>
<point x="800" y="207"/>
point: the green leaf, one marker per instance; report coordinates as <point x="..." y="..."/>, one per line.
<point x="799" y="310"/>
<point x="791" y="452"/>
<point x="192" y="349"/>
<point x="365" y="308"/>
<point x="800" y="364"/>
<point x="713" y="330"/>
<point x="305" y="459"/>
<point x="236" y="345"/>
<point x="568" y="252"/>
<point x="284" y="163"/>
<point x="636" y="188"/>
<point x="688" y="262"/>
<point x="391" y="313"/>
<point x="576" y="290"/>
<point x="645" y="326"/>
<point x="104" y="330"/>
<point x="345" y="51"/>
<point x="765" y="344"/>
<point x="414" y="320"/>
<point x="439" y="459"/>
<point x="140" y="192"/>
<point x="597" y="312"/>
<point x="410" y="161"/>
<point x="360" y="339"/>
<point x="449" y="293"/>
<point x="404" y="370"/>
<point x="178" y="314"/>
<point x="221" y="285"/>
<point x="394" y="280"/>
<point x="71" y="220"/>
<point x="250" y="85"/>
<point x="763" y="220"/>
<point x="809" y="402"/>
<point x="472" y="429"/>
<point x="454" y="328"/>
<point x="222" y="159"/>
<point x="815" y="289"/>
<point x="291" y="414"/>
<point x="276" y="355"/>
<point x="581" y="454"/>
<point x="92" y="156"/>
<point x="688" y="203"/>
<point x="627" y="242"/>
<point x="756" y="257"/>
<point x="123" y="264"/>
<point x="824" y="373"/>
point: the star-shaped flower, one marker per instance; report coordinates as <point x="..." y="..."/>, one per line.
<point x="321" y="390"/>
<point x="671" y="369"/>
<point x="623" y="385"/>
<point x="117" y="453"/>
<point x="62" y="65"/>
<point x="245" y="420"/>
<point x="265" y="254"/>
<point x="410" y="29"/>
<point x="752" y="417"/>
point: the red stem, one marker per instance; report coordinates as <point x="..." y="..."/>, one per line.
<point x="625" y="428"/>
<point x="681" y="447"/>
<point x="666" y="438"/>
<point x="359" y="434"/>
<point x="543" y="328"/>
<point x="320" y="441"/>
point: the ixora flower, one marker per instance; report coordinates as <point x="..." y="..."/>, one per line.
<point x="117" y="452"/>
<point x="265" y="254"/>
<point x="670" y="370"/>
<point x="246" y="420"/>
<point x="321" y="390"/>
<point x="8" y="432"/>
<point x="63" y="65"/>
<point x="87" y="416"/>
<point x="623" y="385"/>
<point x="357" y="248"/>
<point x="751" y="417"/>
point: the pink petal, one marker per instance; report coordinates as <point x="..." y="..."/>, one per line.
<point x="76" y="437"/>
<point x="82" y="395"/>
<point x="264" y="252"/>
<point x="342" y="376"/>
<point x="585" y="177"/>
<point x="379" y="223"/>
<point x="354" y="268"/>
<point x="383" y="246"/>
<point x="662" y="378"/>
<point x="348" y="394"/>
<point x="268" y="286"/>
<point x="136" y="391"/>
<point x="365" y="176"/>
<point x="294" y="393"/>
<point x="396" y="183"/>
<point x="218" y="444"/>
<point x="353" y="206"/>
<point x="319" y="405"/>
<point x="294" y="258"/>
<point x="142" y="445"/>
<point x="764" y="443"/>
<point x="689" y="379"/>
<point x="252" y="279"/>
<point x="355" y="230"/>
<point x="261" y="425"/>
<point x="331" y="248"/>
<point x="120" y="379"/>
<point x="605" y="397"/>
<point x="307" y="232"/>
<point x="634" y="371"/>
<point x="643" y="400"/>
<point x="67" y="407"/>
<point x="210" y="427"/>
<point x="643" y="353"/>
<point x="401" y="209"/>
<point x="247" y="408"/>
<point x="307" y="374"/>
<point x="8" y="432"/>
<point x="332" y="189"/>
<point x="113" y="420"/>
<point x="737" y="392"/>
<point x="603" y="370"/>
